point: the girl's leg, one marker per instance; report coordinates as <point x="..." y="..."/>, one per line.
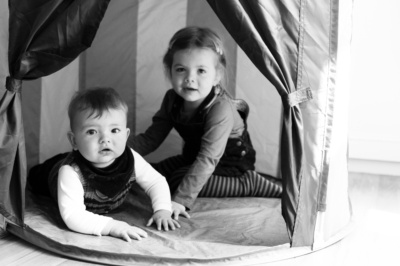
<point x="265" y="186"/>
<point x="176" y="178"/>
<point x="173" y="169"/>
<point x="250" y="184"/>
<point x="168" y="166"/>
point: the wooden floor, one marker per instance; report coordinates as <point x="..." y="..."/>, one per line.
<point x="375" y="240"/>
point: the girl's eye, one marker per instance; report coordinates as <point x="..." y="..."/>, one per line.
<point x="116" y="130"/>
<point x="202" y="71"/>
<point x="91" y="132"/>
<point x="179" y="69"/>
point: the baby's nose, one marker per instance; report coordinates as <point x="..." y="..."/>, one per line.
<point x="104" y="138"/>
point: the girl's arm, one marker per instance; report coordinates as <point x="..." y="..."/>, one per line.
<point x="155" y="135"/>
<point x="218" y="128"/>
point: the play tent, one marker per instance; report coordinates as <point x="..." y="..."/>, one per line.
<point x="286" y="58"/>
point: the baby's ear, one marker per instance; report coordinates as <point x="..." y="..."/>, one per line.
<point x="128" y="131"/>
<point x="71" y="139"/>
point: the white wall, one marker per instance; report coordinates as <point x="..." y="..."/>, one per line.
<point x="374" y="129"/>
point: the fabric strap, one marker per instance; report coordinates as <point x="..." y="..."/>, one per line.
<point x="299" y="96"/>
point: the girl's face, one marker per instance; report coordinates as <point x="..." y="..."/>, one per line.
<point x="100" y="139"/>
<point x="193" y="74"/>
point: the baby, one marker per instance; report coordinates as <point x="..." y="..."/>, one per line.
<point x="97" y="175"/>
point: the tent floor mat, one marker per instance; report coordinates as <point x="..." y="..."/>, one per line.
<point x="234" y="231"/>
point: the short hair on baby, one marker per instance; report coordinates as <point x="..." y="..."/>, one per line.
<point x="96" y="100"/>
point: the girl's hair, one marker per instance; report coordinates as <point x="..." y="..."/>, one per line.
<point x="97" y="100"/>
<point x="194" y="37"/>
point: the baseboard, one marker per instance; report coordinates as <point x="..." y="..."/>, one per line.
<point x="374" y="167"/>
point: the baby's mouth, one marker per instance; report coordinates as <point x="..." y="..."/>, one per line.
<point x="105" y="150"/>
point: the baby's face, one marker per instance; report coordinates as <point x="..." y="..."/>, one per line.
<point x="100" y="139"/>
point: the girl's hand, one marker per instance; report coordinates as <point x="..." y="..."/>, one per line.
<point x="125" y="231"/>
<point x="162" y="218"/>
<point x="178" y="209"/>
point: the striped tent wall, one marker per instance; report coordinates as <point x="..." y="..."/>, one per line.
<point x="127" y="55"/>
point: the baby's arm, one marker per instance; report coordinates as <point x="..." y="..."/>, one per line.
<point x="123" y="230"/>
<point x="73" y="211"/>
<point x="155" y="185"/>
<point x="163" y="217"/>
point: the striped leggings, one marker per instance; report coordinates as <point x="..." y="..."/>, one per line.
<point x="250" y="184"/>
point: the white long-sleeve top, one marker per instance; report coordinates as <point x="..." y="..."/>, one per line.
<point x="71" y="196"/>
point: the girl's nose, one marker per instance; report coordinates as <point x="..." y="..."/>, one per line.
<point x="189" y="78"/>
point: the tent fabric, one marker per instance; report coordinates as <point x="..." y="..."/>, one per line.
<point x="13" y="159"/>
<point x="334" y="208"/>
<point x="272" y="35"/>
<point x="130" y="62"/>
<point x="40" y="43"/>
<point x="293" y="43"/>
<point x="46" y="36"/>
<point x="219" y="231"/>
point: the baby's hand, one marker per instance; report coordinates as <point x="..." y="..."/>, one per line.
<point x="125" y="231"/>
<point x="162" y="218"/>
<point x="178" y="209"/>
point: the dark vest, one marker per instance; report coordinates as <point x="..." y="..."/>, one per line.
<point x="102" y="193"/>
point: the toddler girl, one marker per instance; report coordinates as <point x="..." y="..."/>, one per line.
<point x="218" y="158"/>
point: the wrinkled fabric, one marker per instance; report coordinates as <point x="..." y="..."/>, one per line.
<point x="44" y="36"/>
<point x="270" y="39"/>
<point x="272" y="34"/>
<point x="282" y="29"/>
<point x="224" y="231"/>
<point x="12" y="158"/>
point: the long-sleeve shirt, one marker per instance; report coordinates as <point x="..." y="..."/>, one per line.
<point x="205" y="135"/>
<point x="71" y="196"/>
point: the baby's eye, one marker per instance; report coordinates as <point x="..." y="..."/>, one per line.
<point x="91" y="132"/>
<point x="179" y="69"/>
<point x="116" y="130"/>
<point x="202" y="71"/>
